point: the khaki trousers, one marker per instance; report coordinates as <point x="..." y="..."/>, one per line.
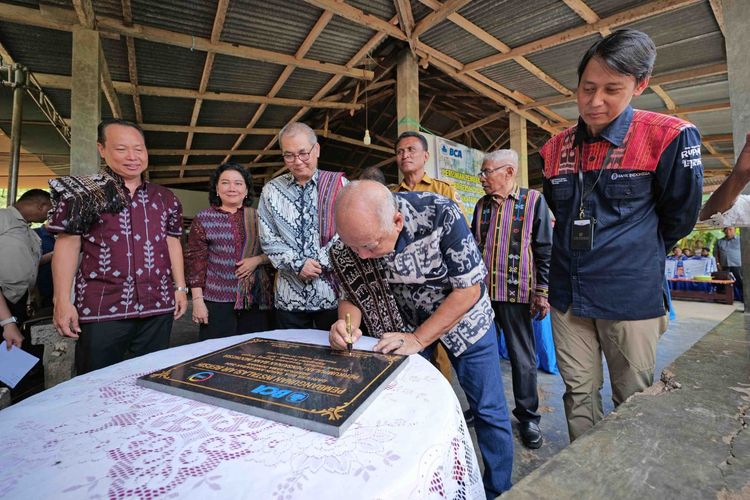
<point x="630" y="350"/>
<point x="441" y="361"/>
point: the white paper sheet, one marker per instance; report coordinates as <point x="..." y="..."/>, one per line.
<point x="14" y="364"/>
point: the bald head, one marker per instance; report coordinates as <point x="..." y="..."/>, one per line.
<point x="367" y="219"/>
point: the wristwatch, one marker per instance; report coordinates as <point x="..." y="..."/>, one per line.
<point x="182" y="289"/>
<point x="8" y="321"/>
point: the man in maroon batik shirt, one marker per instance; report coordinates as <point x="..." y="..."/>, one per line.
<point x="130" y="283"/>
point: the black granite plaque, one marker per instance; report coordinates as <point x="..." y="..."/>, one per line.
<point x="305" y="385"/>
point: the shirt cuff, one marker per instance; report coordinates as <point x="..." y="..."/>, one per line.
<point x="738" y="215"/>
<point x="542" y="290"/>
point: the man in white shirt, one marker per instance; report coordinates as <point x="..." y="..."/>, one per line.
<point x="726" y="207"/>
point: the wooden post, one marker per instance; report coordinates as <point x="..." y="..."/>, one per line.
<point x="85" y="102"/>
<point x="407" y="92"/>
<point x="519" y="143"/>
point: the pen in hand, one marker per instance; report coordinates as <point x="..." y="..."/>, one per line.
<point x="349" y="345"/>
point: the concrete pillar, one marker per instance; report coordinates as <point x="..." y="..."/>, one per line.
<point x="59" y="354"/>
<point x="519" y="143"/>
<point x="407" y="92"/>
<point x="736" y="21"/>
<point x="85" y="102"/>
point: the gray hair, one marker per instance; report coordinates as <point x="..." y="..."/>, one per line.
<point x="498" y="155"/>
<point x="371" y="194"/>
<point x="296" y="128"/>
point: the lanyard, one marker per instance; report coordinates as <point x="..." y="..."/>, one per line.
<point x="584" y="195"/>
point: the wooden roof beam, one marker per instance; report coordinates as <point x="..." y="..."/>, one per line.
<point x="218" y="26"/>
<point x="480" y="123"/>
<point x="64" y="82"/>
<point x="662" y="79"/>
<point x="34" y="17"/>
<point x="586" y="13"/>
<point x="356" y="59"/>
<point x="718" y="14"/>
<point x="672" y="107"/>
<point x="438" y="16"/>
<point x="358" y="16"/>
<point x="649" y="9"/>
<point x="487" y="87"/>
<point x="405" y="16"/>
<point x="209" y="152"/>
<point x="127" y="17"/>
<point x="304" y="47"/>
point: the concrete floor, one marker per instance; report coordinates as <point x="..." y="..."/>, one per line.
<point x="693" y="321"/>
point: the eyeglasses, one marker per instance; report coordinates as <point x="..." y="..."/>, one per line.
<point x="304" y="156"/>
<point x="487" y="171"/>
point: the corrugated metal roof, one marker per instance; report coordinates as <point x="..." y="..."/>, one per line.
<point x="561" y="61"/>
<point x="384" y="9"/>
<point x="213" y="141"/>
<point x="648" y="100"/>
<point x="277" y="25"/>
<point x="303" y="84"/>
<point x="716" y="122"/>
<point x="39" y="49"/>
<point x="165" y="140"/>
<point x="255" y="142"/>
<point x="116" y="53"/>
<point x="689" y="96"/>
<point x="167" y="65"/>
<point x="456" y="42"/>
<point x="177" y="111"/>
<point x="696" y="82"/>
<point x="339" y="41"/>
<point x="679" y="24"/>
<point x="276" y="116"/>
<point x="516" y="23"/>
<point x="516" y="77"/>
<point x="242" y="76"/>
<point x="226" y="114"/>
<point x="192" y="18"/>
<point x="705" y="49"/>
<point x="605" y="8"/>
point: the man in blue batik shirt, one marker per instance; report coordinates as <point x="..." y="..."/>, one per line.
<point x="436" y="274"/>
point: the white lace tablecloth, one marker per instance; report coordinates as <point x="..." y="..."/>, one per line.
<point x="101" y="436"/>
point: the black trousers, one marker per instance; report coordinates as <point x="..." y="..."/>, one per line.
<point x="319" y="320"/>
<point x="18" y="309"/>
<point x="515" y="321"/>
<point x="108" y="342"/>
<point x="225" y="321"/>
<point x="737" y="271"/>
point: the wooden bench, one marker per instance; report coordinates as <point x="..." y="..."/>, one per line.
<point x="712" y="295"/>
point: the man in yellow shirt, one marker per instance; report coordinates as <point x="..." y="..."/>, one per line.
<point x="411" y="155"/>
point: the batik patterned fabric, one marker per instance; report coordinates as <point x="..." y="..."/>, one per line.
<point x="364" y="283"/>
<point x="290" y="233"/>
<point x="215" y="244"/>
<point x="87" y="196"/>
<point x="436" y="253"/>
<point x="125" y="270"/>
<point x="515" y="238"/>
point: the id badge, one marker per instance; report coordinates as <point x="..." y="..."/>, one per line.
<point x="582" y="234"/>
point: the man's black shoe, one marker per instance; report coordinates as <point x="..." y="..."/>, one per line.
<point x="469" y="417"/>
<point x="531" y="435"/>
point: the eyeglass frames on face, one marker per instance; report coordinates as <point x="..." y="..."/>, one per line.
<point x="485" y="172"/>
<point x="304" y="156"/>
